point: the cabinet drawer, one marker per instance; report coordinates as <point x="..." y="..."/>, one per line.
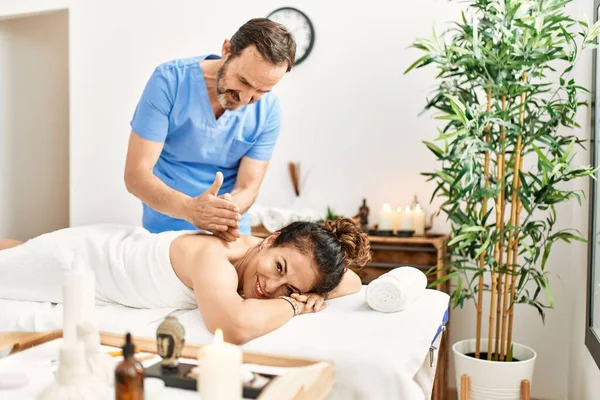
<point x="403" y="255"/>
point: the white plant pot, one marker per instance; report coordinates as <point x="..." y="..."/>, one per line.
<point x="493" y="379"/>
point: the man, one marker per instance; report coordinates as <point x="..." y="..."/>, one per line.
<point x="204" y="130"/>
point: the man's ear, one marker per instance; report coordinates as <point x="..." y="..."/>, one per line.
<point x="268" y="242"/>
<point x="226" y="49"/>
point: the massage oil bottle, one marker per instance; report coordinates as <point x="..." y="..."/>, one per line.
<point x="129" y="375"/>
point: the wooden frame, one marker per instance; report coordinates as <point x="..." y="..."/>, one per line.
<point x="592" y="341"/>
<point x="307" y="385"/>
<point x="465" y="382"/>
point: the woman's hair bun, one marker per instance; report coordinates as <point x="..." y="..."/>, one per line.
<point x="355" y="243"/>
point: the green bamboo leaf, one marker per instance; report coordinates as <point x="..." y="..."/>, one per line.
<point x="457" y="291"/>
<point x="434" y="149"/>
<point x="421" y="62"/>
<point x="443" y="279"/>
<point x="457" y="239"/>
<point x="546" y="285"/>
<point x="483" y="247"/>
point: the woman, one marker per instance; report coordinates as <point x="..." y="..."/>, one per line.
<point x="247" y="288"/>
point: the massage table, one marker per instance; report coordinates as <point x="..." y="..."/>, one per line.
<point x="376" y="355"/>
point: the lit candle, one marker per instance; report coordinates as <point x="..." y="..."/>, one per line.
<point x="220" y="366"/>
<point x="79" y="297"/>
<point x="385" y="218"/>
<point x="419" y="221"/>
<point x="396" y="215"/>
<point x="406" y="220"/>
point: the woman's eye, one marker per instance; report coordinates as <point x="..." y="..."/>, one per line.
<point x="279" y="267"/>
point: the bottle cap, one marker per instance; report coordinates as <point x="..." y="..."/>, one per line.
<point x="129" y="347"/>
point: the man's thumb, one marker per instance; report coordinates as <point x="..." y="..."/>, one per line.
<point x="216" y="185"/>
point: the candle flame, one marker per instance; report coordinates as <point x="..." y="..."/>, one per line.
<point x="407" y="209"/>
<point x="218" y="336"/>
<point x="418" y="207"/>
<point x="399" y="209"/>
<point x="387" y="207"/>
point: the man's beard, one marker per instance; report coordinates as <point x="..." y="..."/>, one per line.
<point x="222" y="93"/>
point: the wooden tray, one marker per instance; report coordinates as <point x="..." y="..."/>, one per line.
<point x="313" y="381"/>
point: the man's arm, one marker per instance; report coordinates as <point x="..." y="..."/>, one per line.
<point x="142" y="155"/>
<point x="250" y="175"/>
<point x="215" y="287"/>
<point x="206" y="211"/>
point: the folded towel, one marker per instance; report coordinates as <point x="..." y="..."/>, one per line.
<point x="396" y="290"/>
<point x="274" y="219"/>
<point x="255" y="214"/>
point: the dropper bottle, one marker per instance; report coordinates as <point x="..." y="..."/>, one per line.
<point x="129" y="375"/>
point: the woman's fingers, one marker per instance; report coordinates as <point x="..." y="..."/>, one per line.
<point x="300" y="297"/>
<point x="319" y="304"/>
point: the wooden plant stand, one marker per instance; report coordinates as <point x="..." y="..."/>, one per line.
<point x="464" y="388"/>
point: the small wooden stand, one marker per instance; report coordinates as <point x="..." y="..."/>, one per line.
<point x="464" y="388"/>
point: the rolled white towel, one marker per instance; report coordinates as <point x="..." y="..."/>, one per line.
<point x="396" y="290"/>
<point x="274" y="219"/>
<point x="255" y="213"/>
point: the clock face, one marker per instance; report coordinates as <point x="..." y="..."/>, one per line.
<point x="300" y="26"/>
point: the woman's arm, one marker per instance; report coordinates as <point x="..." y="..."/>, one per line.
<point x="312" y="302"/>
<point x="215" y="286"/>
<point x="350" y="284"/>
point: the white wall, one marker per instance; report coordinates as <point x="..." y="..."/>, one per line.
<point x="350" y="118"/>
<point x="34" y="125"/>
<point x="350" y="115"/>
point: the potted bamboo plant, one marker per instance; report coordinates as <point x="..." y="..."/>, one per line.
<point x="505" y="92"/>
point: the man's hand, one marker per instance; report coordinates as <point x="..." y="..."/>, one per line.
<point x="212" y="213"/>
<point x="231" y="234"/>
<point x="311" y="302"/>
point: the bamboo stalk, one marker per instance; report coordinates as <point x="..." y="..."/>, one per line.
<point x="486" y="168"/>
<point x="502" y="275"/>
<point x="513" y="283"/>
<point x="499" y="244"/>
<point x="514" y="205"/>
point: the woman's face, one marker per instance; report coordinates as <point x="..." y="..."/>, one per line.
<point x="278" y="271"/>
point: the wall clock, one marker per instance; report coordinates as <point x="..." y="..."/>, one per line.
<point x="301" y="27"/>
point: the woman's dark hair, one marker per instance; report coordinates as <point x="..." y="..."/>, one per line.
<point x="272" y="40"/>
<point x="334" y="246"/>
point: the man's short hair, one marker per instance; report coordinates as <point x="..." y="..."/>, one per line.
<point x="273" y="41"/>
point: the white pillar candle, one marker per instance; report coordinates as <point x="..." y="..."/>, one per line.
<point x="396" y="215"/>
<point x="385" y="218"/>
<point x="79" y="297"/>
<point x="419" y="221"/>
<point x="220" y="366"/>
<point x="406" y="220"/>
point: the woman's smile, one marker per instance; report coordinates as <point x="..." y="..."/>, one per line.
<point x="260" y="294"/>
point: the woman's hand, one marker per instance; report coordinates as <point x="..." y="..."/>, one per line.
<point x="310" y="302"/>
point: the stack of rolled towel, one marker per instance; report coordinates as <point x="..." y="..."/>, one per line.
<point x="275" y="218"/>
<point x="396" y="290"/>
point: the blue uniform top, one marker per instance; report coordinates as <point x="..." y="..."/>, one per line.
<point x="175" y="109"/>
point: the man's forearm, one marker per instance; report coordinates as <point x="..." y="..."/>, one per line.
<point x="156" y="194"/>
<point x="244" y="198"/>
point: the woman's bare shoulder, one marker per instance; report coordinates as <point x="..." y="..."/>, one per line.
<point x="193" y="254"/>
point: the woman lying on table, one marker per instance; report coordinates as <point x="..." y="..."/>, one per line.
<point x="247" y="288"/>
